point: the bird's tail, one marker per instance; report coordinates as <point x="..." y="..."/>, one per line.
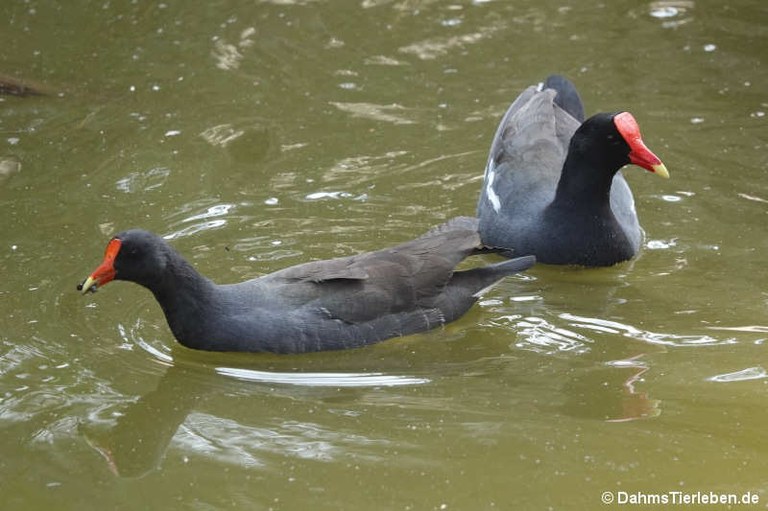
<point x="466" y="286"/>
<point x="486" y="277"/>
<point x="567" y="96"/>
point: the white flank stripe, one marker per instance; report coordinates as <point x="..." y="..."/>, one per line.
<point x="491" y="193"/>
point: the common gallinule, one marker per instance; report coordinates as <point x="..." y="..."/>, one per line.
<point x="322" y="305"/>
<point x="552" y="184"/>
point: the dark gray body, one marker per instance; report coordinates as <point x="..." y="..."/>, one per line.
<point x="518" y="209"/>
<point x="323" y="305"/>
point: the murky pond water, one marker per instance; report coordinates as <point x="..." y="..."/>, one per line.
<point x="263" y="135"/>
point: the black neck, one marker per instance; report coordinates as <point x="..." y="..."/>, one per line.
<point x="585" y="181"/>
<point x="185" y="296"/>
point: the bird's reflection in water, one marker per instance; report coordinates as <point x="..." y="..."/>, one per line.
<point x="136" y="444"/>
<point x="610" y="393"/>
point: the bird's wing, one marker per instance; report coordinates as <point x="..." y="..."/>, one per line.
<point x="400" y="279"/>
<point x="320" y="271"/>
<point x="528" y="152"/>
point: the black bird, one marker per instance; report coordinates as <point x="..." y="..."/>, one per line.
<point x="552" y="184"/>
<point x="323" y="305"/>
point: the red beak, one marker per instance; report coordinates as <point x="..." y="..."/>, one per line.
<point x="105" y="272"/>
<point x="639" y="154"/>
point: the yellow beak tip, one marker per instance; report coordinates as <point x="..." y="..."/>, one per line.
<point x="88" y="285"/>
<point x="661" y="170"/>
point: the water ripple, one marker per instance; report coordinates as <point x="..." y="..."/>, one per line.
<point x="668" y="339"/>
<point x="386" y="113"/>
<point x="308" y="379"/>
<point x="203" y="221"/>
<point x="194" y="229"/>
<point x="431" y="49"/>
<point x="211" y="212"/>
<point x="145" y="181"/>
<point x="230" y="441"/>
<point x="750" y="373"/>
<point x="364" y="169"/>
<point x="221" y="135"/>
<point x="322" y="379"/>
<point x="542" y="336"/>
<point x="673" y="13"/>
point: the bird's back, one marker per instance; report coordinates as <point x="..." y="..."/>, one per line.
<point x="524" y="167"/>
<point x="524" y="164"/>
<point x="357" y="300"/>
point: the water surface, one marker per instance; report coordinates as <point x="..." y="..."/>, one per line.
<point x="261" y="136"/>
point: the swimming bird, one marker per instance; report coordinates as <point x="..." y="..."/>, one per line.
<point x="322" y="305"/>
<point x="553" y="186"/>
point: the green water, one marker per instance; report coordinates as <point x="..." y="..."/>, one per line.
<point x="264" y="135"/>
